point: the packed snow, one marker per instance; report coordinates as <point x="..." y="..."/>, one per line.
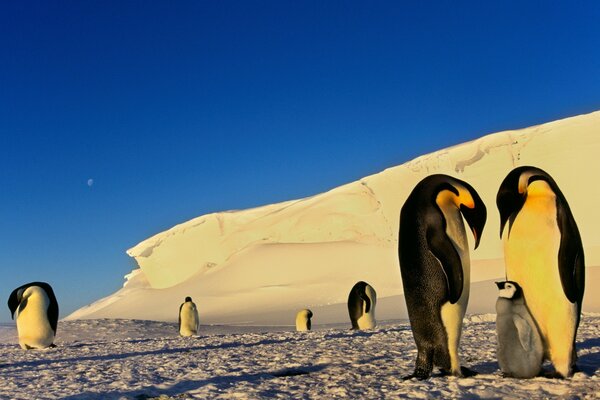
<point x="261" y="265"/>
<point x="250" y="271"/>
<point x="130" y="359"/>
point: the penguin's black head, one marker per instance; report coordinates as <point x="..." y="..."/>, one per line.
<point x="188" y="299"/>
<point x="513" y="192"/>
<point x="509" y="289"/>
<point x="472" y="208"/>
<point x="309" y="314"/>
<point x="475" y="216"/>
<point x="16" y="297"/>
<point x="14" y="300"/>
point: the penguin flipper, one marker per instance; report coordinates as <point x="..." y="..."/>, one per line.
<point x="367" y="301"/>
<point x="443" y="249"/>
<point x="570" y="256"/>
<point x="524" y="331"/>
<point x="179" y="320"/>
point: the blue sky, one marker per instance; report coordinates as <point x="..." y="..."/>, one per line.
<point x="177" y="109"/>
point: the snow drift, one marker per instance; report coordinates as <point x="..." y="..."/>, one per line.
<point x="259" y="266"/>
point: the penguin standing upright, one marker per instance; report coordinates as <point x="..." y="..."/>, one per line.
<point x="520" y="347"/>
<point x="35" y="309"/>
<point x="303" y="320"/>
<point x="188" y="318"/>
<point x="361" y="306"/>
<point x="435" y="267"/>
<point x="544" y="254"/>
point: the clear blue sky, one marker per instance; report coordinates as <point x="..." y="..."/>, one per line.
<point x="178" y="109"/>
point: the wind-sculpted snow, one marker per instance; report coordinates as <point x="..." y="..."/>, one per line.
<point x="277" y="259"/>
<point x="121" y="359"/>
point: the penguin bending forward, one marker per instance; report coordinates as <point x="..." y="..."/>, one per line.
<point x="303" y="320"/>
<point x="35" y="309"/>
<point x="520" y="347"/>
<point x="544" y="254"/>
<point x="435" y="267"/>
<point x="361" y="306"/>
<point x="188" y="318"/>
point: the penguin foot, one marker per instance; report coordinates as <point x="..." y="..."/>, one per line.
<point x="553" y="375"/>
<point x="575" y="368"/>
<point x="467" y="372"/>
<point x="420" y="374"/>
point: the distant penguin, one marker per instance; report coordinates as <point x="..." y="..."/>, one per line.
<point x="435" y="266"/>
<point x="520" y="347"/>
<point x="35" y="309"/>
<point x="544" y="253"/>
<point x="303" y="320"/>
<point x="361" y="306"/>
<point x="188" y="318"/>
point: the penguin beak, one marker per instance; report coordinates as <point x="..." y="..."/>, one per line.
<point x="500" y="285"/>
<point x="475" y="217"/>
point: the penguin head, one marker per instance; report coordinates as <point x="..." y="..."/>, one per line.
<point x="19" y="296"/>
<point x="187" y="299"/>
<point x="467" y="200"/>
<point x="14" y="300"/>
<point x="309" y="314"/>
<point x="520" y="183"/>
<point x="509" y="290"/>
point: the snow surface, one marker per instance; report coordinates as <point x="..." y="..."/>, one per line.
<point x="132" y="359"/>
<point x="260" y="266"/>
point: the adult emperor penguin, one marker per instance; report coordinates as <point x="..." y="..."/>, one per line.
<point x="35" y="309"/>
<point x="361" y="306"/>
<point x="520" y="347"/>
<point x="303" y="320"/>
<point x="544" y="254"/>
<point x="435" y="267"/>
<point x="188" y="318"/>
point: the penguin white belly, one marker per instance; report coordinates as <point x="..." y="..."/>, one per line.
<point x="531" y="253"/>
<point x="32" y="324"/>
<point x="367" y="320"/>
<point x="302" y="318"/>
<point x="189" y="321"/>
<point x="453" y="314"/>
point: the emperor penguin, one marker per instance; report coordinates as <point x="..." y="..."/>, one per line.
<point x="361" y="306"/>
<point x="188" y="318"/>
<point x="35" y="309"/>
<point x="544" y="254"/>
<point x="520" y="347"/>
<point x="435" y="267"/>
<point x="303" y="320"/>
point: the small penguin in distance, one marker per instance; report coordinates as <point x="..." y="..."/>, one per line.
<point x="361" y="306"/>
<point x="520" y="347"/>
<point x="543" y="252"/>
<point x="433" y="251"/>
<point x="35" y="309"/>
<point x="303" y="320"/>
<point x="188" y="318"/>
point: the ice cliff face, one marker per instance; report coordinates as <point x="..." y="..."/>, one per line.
<point x="309" y="252"/>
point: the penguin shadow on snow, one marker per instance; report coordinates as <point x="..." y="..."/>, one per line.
<point x="366" y="333"/>
<point x="221" y="382"/>
<point x="120" y="356"/>
<point x="589" y="363"/>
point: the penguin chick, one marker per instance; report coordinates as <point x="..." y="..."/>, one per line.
<point x="520" y="347"/>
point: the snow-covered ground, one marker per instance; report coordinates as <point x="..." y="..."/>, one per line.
<point x="130" y="359"/>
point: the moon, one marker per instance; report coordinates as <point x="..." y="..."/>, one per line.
<point x="90" y="182"/>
